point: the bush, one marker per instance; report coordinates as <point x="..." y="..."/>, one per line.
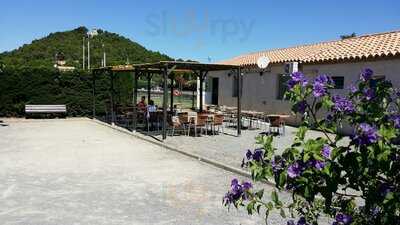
<point x="40" y="85"/>
<point x="354" y="183"/>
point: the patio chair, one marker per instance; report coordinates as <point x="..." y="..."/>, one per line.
<point x="261" y="121"/>
<point x="184" y="120"/>
<point x="231" y="119"/>
<point x="277" y="124"/>
<point x="200" y="122"/>
<point x="218" y="122"/>
<point x="176" y="125"/>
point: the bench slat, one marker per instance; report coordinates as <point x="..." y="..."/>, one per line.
<point x="45" y="111"/>
<point x="32" y="108"/>
<point x="45" y="108"/>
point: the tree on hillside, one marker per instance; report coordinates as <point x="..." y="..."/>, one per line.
<point x="346" y="36"/>
<point x="41" y="52"/>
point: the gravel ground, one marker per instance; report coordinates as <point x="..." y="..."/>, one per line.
<point x="78" y="172"/>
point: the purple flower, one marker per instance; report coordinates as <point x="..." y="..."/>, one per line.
<point x="301" y="107"/>
<point x="323" y="79"/>
<point x="319" y="90"/>
<point x="329" y="118"/>
<point x="295" y="170"/>
<point x="319" y="165"/>
<point x="258" y="154"/>
<point x="249" y="154"/>
<point x="365" y="134"/>
<point x="297" y="78"/>
<point x="375" y="211"/>
<point x="246" y="185"/>
<point x="353" y="89"/>
<point x="369" y="94"/>
<point x="366" y="74"/>
<point x="320" y="85"/>
<point x="326" y="151"/>
<point x="291" y="84"/>
<point x="343" y="218"/>
<point x="385" y="189"/>
<point x="277" y="164"/>
<point x="396" y="121"/>
<point x="238" y="191"/>
<point x="290" y="222"/>
<point x="342" y="104"/>
<point x="302" y="221"/>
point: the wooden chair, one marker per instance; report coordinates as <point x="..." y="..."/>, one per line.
<point x="176" y="124"/>
<point x="184" y="120"/>
<point x="202" y="121"/>
<point x="277" y="123"/>
<point x="218" y="122"/>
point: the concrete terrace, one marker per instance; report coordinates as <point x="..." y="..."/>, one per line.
<point x="229" y="149"/>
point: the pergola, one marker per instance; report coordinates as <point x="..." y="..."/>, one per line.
<point x="167" y="69"/>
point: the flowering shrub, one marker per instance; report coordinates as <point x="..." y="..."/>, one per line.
<point x="353" y="182"/>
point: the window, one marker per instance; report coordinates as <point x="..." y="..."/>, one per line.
<point x="376" y="79"/>
<point x="338" y="82"/>
<point x="235" y="86"/>
<point x="282" y="85"/>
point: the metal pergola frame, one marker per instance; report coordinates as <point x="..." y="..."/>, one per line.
<point x="167" y="70"/>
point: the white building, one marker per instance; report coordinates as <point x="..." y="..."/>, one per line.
<point x="343" y="60"/>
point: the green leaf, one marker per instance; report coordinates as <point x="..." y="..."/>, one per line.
<point x="283" y="214"/>
<point x="307" y="192"/>
<point x="250" y="207"/>
<point x="258" y="208"/>
<point x="270" y="206"/>
<point x="388" y="197"/>
<point x="301" y="133"/>
<point x="327" y="102"/>
<point x="274" y="196"/>
<point x="282" y="179"/>
<point x="306" y="157"/>
<point x="387" y="133"/>
<point x="260" y="193"/>
<point x="318" y="106"/>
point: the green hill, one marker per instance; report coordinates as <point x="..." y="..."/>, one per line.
<point x="42" y="52"/>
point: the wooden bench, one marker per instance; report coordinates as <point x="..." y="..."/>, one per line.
<point x="45" y="109"/>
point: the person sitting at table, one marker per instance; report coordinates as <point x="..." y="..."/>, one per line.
<point x="175" y="110"/>
<point x="142" y="104"/>
<point x="151" y="107"/>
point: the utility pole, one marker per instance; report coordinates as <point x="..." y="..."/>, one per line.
<point x="83" y="53"/>
<point x="88" y="53"/>
<point x="104" y="56"/>
<point x="90" y="34"/>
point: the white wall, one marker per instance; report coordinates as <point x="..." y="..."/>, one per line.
<point x="260" y="92"/>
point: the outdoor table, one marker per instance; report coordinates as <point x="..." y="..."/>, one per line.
<point x="279" y="116"/>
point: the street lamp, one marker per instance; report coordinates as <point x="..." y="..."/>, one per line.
<point x="90" y="34"/>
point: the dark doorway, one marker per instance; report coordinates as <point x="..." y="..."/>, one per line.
<point x="214" y="91"/>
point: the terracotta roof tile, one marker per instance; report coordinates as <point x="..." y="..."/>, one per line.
<point x="366" y="46"/>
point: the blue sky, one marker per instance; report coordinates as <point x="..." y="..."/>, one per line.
<point x="203" y="29"/>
